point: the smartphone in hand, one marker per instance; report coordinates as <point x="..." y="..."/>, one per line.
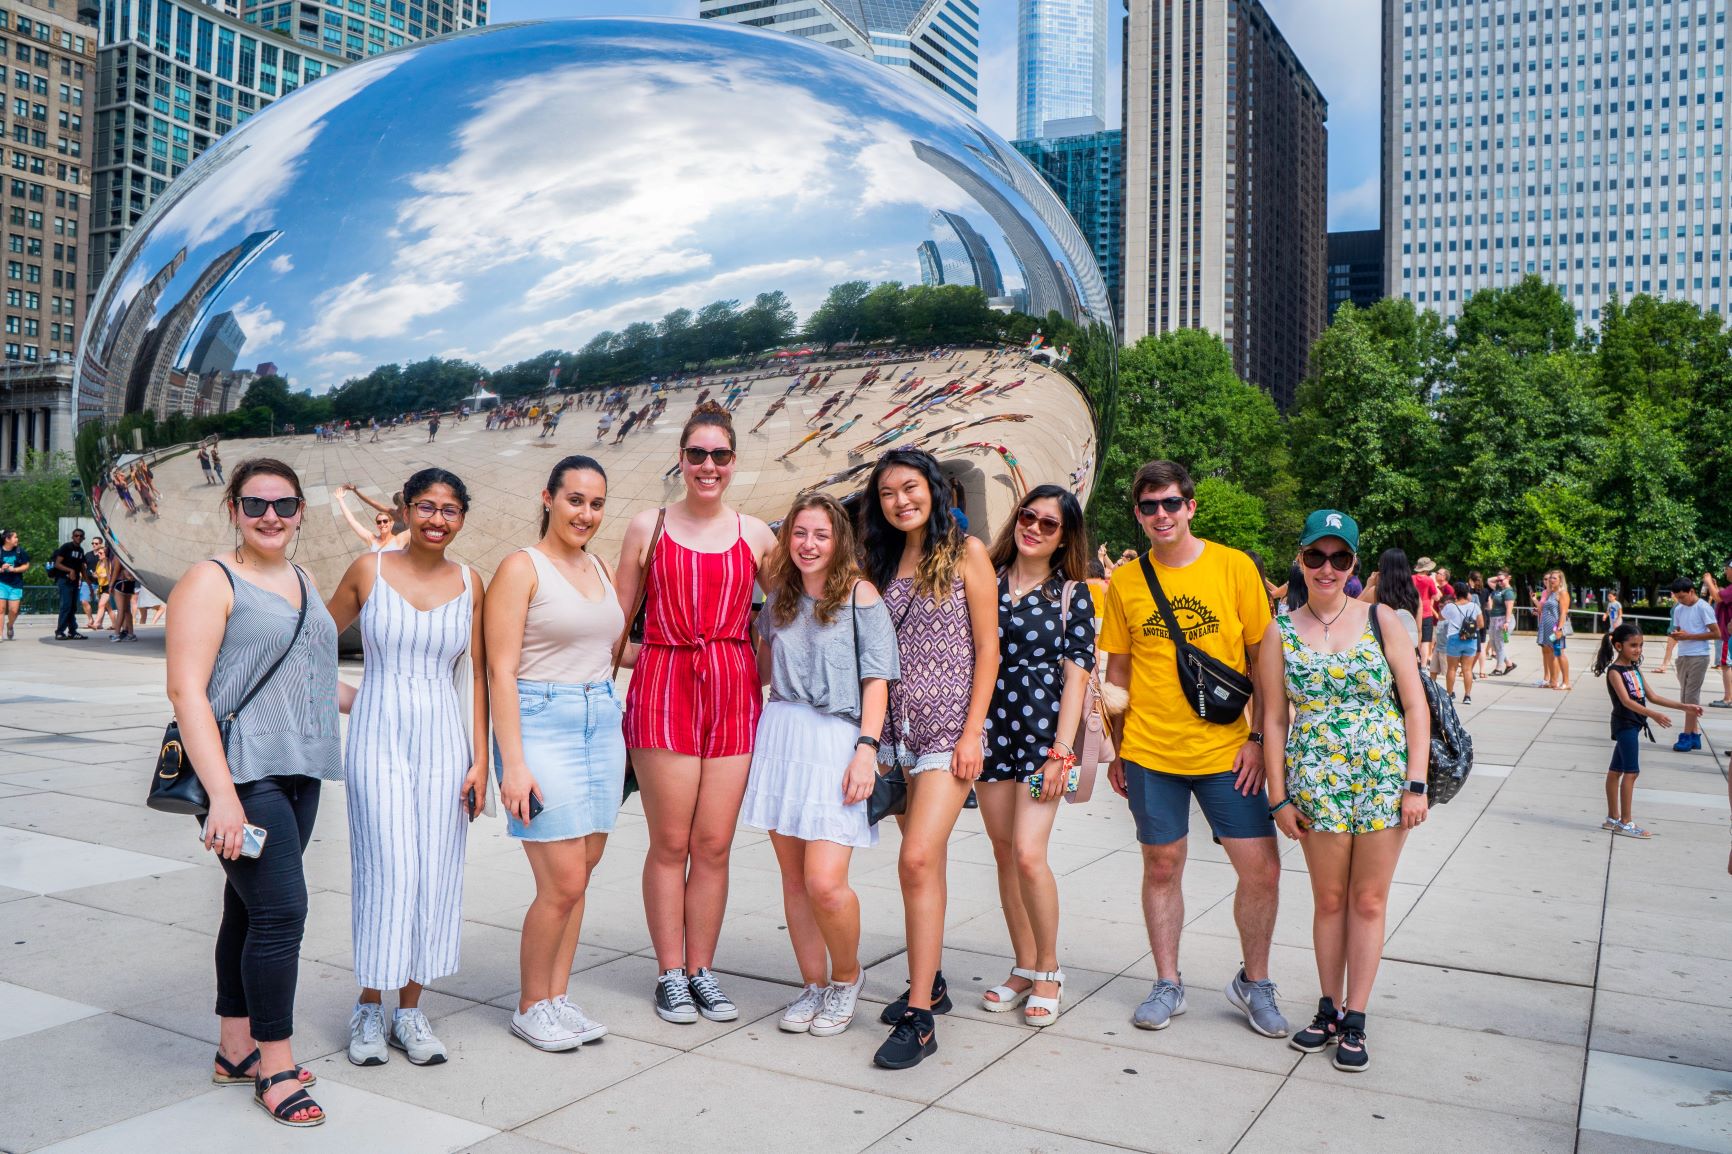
<point x="535" y="807"/>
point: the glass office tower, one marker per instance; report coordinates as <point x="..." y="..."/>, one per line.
<point x="1061" y="67"/>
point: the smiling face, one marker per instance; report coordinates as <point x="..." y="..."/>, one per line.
<point x="1326" y="580"/>
<point x="905" y="498"/>
<point x="575" y="511"/>
<point x="382" y="525"/>
<point x="1165" y="526"/>
<point x="435" y="516"/>
<point x="706" y="480"/>
<point x="1039" y="529"/>
<point x="268" y="533"/>
<point x="811" y="541"/>
<point x="1630" y="650"/>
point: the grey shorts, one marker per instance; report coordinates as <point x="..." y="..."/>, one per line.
<point x="1691" y="671"/>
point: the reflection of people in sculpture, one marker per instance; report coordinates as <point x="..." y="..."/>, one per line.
<point x="549" y="423"/>
<point x="836" y="478"/>
<point x="604" y="424"/>
<point x="382" y="537"/>
<point x="804" y="441"/>
<point x="775" y="407"/>
<point x="830" y="402"/>
<point x="885" y="438"/>
<point x="373" y="424"/>
<point x="396" y="511"/>
<point x="433" y="429"/>
<point x="631" y="423"/>
<point x="840" y="429"/>
<point x="1018" y="485"/>
<point x="118" y="480"/>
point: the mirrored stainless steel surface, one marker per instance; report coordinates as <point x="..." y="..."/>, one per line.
<point x="582" y="185"/>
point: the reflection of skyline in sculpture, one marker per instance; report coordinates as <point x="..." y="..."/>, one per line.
<point x="110" y="396"/>
<point x="960" y="255"/>
<point x="219" y="346"/>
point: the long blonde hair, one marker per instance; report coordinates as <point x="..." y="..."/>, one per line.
<point x="786" y="580"/>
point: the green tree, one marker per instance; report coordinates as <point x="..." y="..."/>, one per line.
<point x="840" y="316"/>
<point x="1530" y="316"/>
<point x="1228" y="514"/>
<point x="32" y="503"/>
<point x="768" y="321"/>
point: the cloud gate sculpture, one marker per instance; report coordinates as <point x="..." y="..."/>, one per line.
<point x="539" y="218"/>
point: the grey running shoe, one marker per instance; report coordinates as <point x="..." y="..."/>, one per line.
<point x="367" y="1035"/>
<point x="1257" y="1000"/>
<point x="797" y="1018"/>
<point x="572" y="1017"/>
<point x="411" y="1034"/>
<point x="1165" y="1002"/>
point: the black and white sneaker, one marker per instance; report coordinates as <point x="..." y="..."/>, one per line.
<point x="1324" y="1029"/>
<point x="674" y="998"/>
<point x="913" y="1039"/>
<point x="1350" y="1054"/>
<point x="712" y="1003"/>
<point x="940" y="1002"/>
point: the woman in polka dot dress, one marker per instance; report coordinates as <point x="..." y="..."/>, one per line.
<point x="1047" y="650"/>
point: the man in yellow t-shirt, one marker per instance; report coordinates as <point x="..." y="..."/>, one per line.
<point x="1169" y="754"/>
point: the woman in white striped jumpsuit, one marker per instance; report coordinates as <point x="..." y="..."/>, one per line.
<point x="416" y="747"/>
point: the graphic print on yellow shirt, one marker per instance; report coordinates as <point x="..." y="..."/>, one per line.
<point x="1221" y="605"/>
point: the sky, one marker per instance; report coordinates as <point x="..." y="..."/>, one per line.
<point x="1337" y="41"/>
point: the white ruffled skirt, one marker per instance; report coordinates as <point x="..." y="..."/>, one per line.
<point x="799" y="762"/>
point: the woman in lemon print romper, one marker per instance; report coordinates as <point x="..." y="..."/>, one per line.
<point x="1346" y="775"/>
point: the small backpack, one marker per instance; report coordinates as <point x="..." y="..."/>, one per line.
<point x="1451" y="744"/>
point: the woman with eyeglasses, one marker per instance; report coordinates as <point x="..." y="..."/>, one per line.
<point x="1046" y="642"/>
<point x="383" y="536"/>
<point x="417" y="752"/>
<point x="939" y="588"/>
<point x="692" y="708"/>
<point x="1345" y="756"/>
<point x="233" y="619"/>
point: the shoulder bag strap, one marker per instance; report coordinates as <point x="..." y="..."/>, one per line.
<point x="1377" y="635"/>
<point x="1172" y="622"/>
<point x="642" y="597"/>
<point x="854" y="614"/>
<point x="300" y="620"/>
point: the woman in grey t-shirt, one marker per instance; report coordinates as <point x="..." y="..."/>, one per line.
<point x="828" y="650"/>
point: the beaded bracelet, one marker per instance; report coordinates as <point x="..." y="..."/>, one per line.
<point x="1275" y="809"/>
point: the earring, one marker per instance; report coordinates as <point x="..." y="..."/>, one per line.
<point x="296" y="545"/>
<point x="238" y="559"/>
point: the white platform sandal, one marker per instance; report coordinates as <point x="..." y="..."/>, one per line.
<point x="1035" y="1002"/>
<point x="1008" y="999"/>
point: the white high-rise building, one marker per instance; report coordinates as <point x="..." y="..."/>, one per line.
<point x="1061" y="67"/>
<point x="1582" y="142"/>
<point x="936" y="41"/>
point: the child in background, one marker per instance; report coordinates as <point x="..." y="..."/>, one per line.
<point x="1619" y="658"/>
<point x="1695" y="631"/>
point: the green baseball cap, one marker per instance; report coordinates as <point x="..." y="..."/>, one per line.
<point x="1330" y="523"/>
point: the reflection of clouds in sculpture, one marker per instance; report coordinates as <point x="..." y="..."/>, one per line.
<point x="260" y="324"/>
<point x="363" y="310"/>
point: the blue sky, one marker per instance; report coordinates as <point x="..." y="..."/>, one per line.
<point x="1337" y="40"/>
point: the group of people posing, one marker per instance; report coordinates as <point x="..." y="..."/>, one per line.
<point x="897" y="651"/>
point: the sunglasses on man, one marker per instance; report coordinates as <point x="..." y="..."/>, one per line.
<point x="1149" y="506"/>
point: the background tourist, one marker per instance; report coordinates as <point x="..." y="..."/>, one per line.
<point x="1462" y="622"/>
<point x="14" y="563"/>
<point x="1720" y="597"/>
<point x="1553" y="604"/>
<point x="1499" y="616"/>
<point x="1425" y="584"/>
<point x="1620" y="659"/>
<point x="383" y="534"/>
<point x="1694" y="629"/>
<point x="67" y="568"/>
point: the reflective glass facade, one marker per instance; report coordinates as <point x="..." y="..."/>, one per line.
<point x="1088" y="173"/>
<point x="1582" y="142"/>
<point x="1061" y="65"/>
<point x="360" y="28"/>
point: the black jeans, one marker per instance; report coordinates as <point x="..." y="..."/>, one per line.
<point x="265" y="909"/>
<point x="68" y="623"/>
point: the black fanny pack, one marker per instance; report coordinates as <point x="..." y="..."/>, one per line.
<point x="1216" y="691"/>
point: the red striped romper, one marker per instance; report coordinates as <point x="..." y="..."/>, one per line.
<point x="695" y="689"/>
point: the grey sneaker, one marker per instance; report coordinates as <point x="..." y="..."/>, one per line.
<point x="572" y="1017"/>
<point x="797" y="1018"/>
<point x="1165" y="1002"/>
<point x="411" y="1034"/>
<point x="838" y="1009"/>
<point x="1257" y="1000"/>
<point x="367" y="1035"/>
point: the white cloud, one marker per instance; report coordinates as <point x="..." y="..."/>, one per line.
<point x="336" y="358"/>
<point x="361" y="310"/>
<point x="260" y="326"/>
<point x="282" y="264"/>
<point x="1357" y="207"/>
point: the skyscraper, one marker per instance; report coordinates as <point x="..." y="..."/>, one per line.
<point x="1583" y="143"/>
<point x="1061" y="67"/>
<point x="1226" y="171"/>
<point x="935" y="41"/>
<point x="1355" y="268"/>
<point x="959" y="255"/>
<point x="354" y="29"/>
<point x="1088" y="173"/>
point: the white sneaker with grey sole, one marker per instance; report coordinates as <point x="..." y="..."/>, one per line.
<point x="411" y="1034"/>
<point x="540" y="1027"/>
<point x="367" y="1035"/>
<point x="838" y="1011"/>
<point x="571" y="1016"/>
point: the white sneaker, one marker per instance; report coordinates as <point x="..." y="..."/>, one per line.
<point x="838" y="1009"/>
<point x="411" y="1034"/>
<point x="540" y="1027"/>
<point x="798" y="1017"/>
<point x="572" y="1017"/>
<point x="367" y="1035"/>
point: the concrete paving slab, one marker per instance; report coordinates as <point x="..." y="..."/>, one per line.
<point x="940" y="1131"/>
<point x="1680" y="977"/>
<point x="512" y="1143"/>
<point x="1490" y="1003"/>
<point x="1663" y="1029"/>
<point x="1529" y="937"/>
<point x="1657" y="1102"/>
<point x="1210" y="1030"/>
<point x="1342" y="1117"/>
<point x="25" y="1011"/>
<point x="43" y="863"/>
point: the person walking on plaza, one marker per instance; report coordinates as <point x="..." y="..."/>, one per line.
<point x="14" y="563"/>
<point x="1499" y="616"/>
<point x="98" y="573"/>
<point x="1347" y="775"/>
<point x="250" y="625"/>
<point x="940" y="591"/>
<point x="1391" y="584"/>
<point x="1046" y="641"/>
<point x="1620" y="659"/>
<point x="1553" y="604"/>
<point x="1170" y="753"/>
<point x="1695" y="630"/>
<point x="692" y="708"/>
<point x="1425" y="584"/>
<point x="1462" y="622"/>
<point x="417" y="747"/>
<point x="1615" y="608"/>
<point x="827" y="647"/>
<point x="124" y="590"/>
<point x="1720" y="597"/>
<point x="553" y="620"/>
<point x="67" y="568"/>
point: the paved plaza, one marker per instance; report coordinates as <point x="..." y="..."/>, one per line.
<point x="1547" y="988"/>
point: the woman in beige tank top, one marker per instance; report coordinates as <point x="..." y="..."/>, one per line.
<point x="551" y="621"/>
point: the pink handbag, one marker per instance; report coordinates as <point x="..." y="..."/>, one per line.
<point x="1094" y="743"/>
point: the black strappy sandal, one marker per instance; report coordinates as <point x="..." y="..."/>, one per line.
<point x="234" y="1073"/>
<point x="286" y="1109"/>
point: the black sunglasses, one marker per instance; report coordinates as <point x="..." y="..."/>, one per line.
<point x="696" y="456"/>
<point x="1342" y="559"/>
<point x="1149" y="506"/>
<point x="285" y="506"/>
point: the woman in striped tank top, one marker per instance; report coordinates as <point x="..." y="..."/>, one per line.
<point x="693" y="707"/>
<point x="941" y="592"/>
<point x="417" y="746"/>
<point x="552" y="621"/>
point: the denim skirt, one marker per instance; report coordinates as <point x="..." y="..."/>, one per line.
<point x="575" y="750"/>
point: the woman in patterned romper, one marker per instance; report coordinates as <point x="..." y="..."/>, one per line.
<point x="1347" y="775"/>
<point x="939" y="587"/>
<point x="692" y="709"/>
